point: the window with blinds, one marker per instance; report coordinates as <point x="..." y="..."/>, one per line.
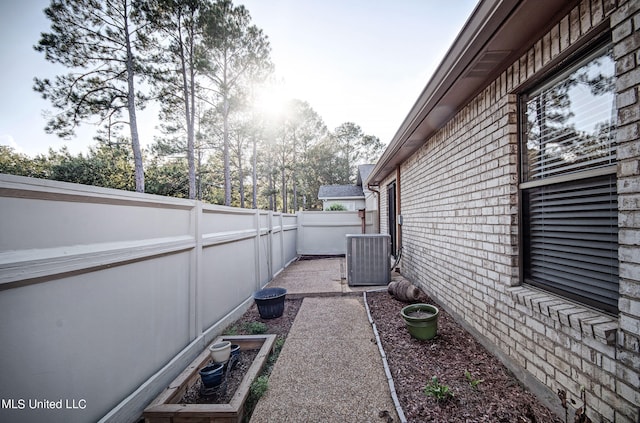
<point x="570" y="210"/>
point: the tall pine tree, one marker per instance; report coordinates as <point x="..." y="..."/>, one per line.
<point x="96" y="40"/>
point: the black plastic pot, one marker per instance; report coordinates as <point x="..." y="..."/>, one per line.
<point x="270" y="302"/>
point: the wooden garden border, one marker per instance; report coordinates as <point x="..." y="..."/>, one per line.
<point x="166" y="409"/>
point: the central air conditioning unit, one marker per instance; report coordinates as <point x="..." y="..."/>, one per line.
<point x="368" y="259"/>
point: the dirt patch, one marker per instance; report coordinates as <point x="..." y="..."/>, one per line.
<point x="473" y="385"/>
<point x="279" y="326"/>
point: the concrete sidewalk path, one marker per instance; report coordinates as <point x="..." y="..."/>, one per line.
<point x="329" y="369"/>
<point x="316" y="278"/>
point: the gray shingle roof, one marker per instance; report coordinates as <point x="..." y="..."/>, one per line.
<point x="363" y="173"/>
<point x="339" y="191"/>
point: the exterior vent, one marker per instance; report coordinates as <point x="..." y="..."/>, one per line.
<point x="368" y="259"/>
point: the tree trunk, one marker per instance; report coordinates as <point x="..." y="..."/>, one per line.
<point x="293" y="174"/>
<point x="189" y="105"/>
<point x="225" y="151"/>
<point x="283" y="176"/>
<point x="272" y="205"/>
<point x="131" y="106"/>
<point x="199" y="175"/>
<point x="240" y="177"/>
<point x="283" y="182"/>
<point x="254" y="175"/>
<point x="295" y="194"/>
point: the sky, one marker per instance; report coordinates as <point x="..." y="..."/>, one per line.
<point x="361" y="61"/>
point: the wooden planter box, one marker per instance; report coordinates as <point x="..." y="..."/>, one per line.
<point x="166" y="409"/>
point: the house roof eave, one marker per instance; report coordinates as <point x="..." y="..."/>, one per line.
<point x="341" y="198"/>
<point x="492" y="37"/>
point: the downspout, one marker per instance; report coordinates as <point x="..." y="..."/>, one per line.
<point x="398" y="210"/>
<point x="377" y="193"/>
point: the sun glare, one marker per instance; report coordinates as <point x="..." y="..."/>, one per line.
<point x="271" y="101"/>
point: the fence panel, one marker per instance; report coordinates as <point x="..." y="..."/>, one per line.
<point x="324" y="232"/>
<point x="229" y="237"/>
<point x="290" y="233"/>
<point x="106" y="295"/>
<point x="139" y="281"/>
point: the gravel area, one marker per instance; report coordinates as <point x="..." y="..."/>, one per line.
<point x="480" y="387"/>
<point x="329" y="369"/>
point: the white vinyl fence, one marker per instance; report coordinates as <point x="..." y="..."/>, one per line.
<point x="106" y="295"/>
<point x="324" y="232"/>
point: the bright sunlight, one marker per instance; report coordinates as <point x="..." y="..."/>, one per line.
<point x="272" y="99"/>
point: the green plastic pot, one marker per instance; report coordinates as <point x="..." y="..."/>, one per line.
<point x="423" y="326"/>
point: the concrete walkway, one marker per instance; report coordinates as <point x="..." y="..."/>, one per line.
<point x="329" y="369"/>
<point x="316" y="278"/>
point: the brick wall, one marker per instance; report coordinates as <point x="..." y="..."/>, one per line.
<point x="461" y="232"/>
<point x="625" y="23"/>
<point x="384" y="208"/>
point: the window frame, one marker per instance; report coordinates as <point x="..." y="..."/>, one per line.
<point x="564" y="69"/>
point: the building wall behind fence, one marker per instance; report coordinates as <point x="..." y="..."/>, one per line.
<point x="106" y="295"/>
<point x="460" y="230"/>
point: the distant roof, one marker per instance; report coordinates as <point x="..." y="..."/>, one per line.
<point x="363" y="173"/>
<point x="339" y="191"/>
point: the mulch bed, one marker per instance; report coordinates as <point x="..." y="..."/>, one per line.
<point x="279" y="326"/>
<point x="483" y="388"/>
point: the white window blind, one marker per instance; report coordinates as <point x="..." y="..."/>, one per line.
<point x="569" y="120"/>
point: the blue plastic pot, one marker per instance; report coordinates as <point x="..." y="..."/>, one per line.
<point x="234" y="357"/>
<point x="235" y="350"/>
<point x="211" y="375"/>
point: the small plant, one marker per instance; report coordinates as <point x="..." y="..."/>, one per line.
<point x="231" y="330"/>
<point x="437" y="390"/>
<point x="473" y="382"/>
<point x="255" y="328"/>
<point x="251" y="328"/>
<point x="277" y="346"/>
<point x="337" y="207"/>
<point x="259" y="387"/>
